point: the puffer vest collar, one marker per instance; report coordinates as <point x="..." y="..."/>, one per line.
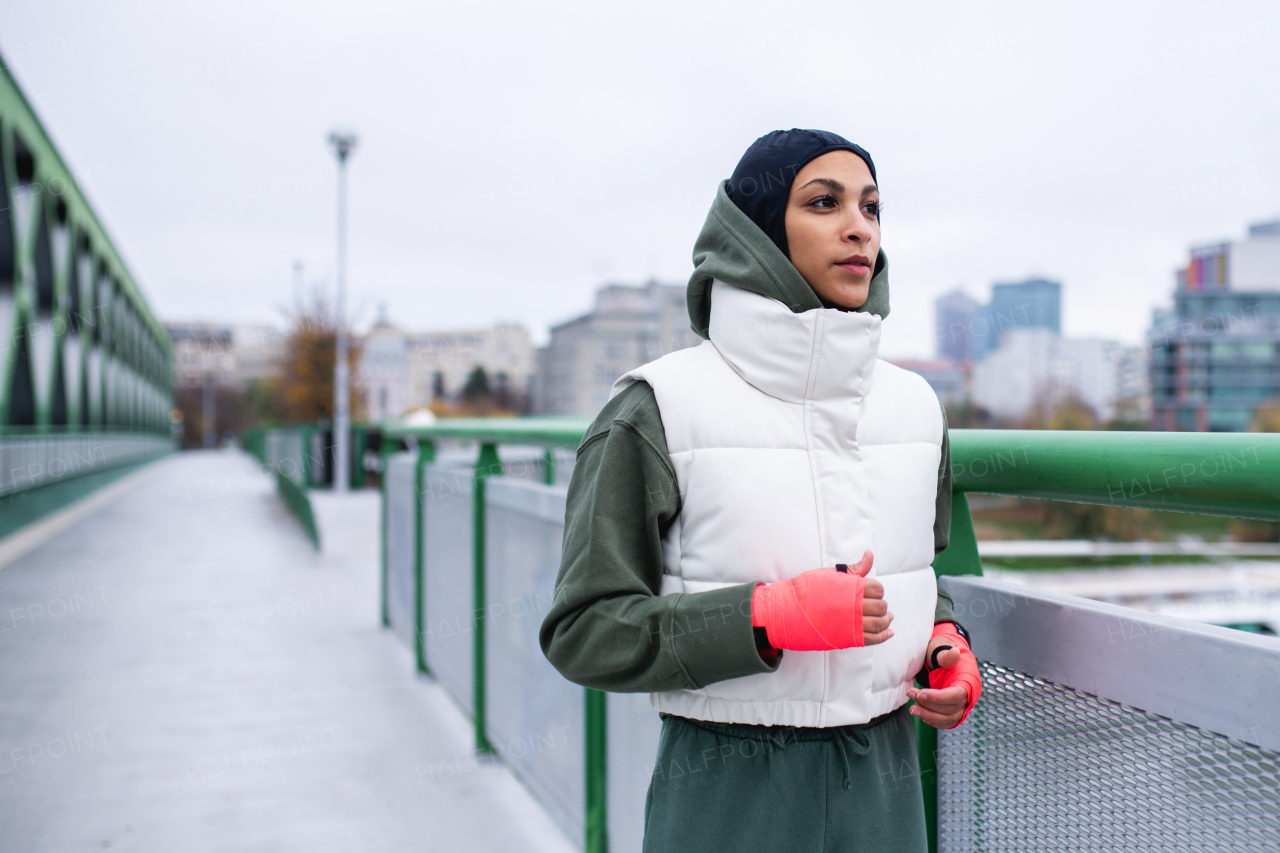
<point x="813" y="355"/>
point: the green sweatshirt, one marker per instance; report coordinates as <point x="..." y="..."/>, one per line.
<point x="608" y="627"/>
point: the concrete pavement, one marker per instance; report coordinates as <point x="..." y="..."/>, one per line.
<point x="182" y="672"/>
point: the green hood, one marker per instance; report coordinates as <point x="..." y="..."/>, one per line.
<point x="733" y="249"/>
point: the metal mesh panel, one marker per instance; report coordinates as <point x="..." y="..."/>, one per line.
<point x="534" y="716"/>
<point x="1038" y="766"/>
<point x="400" y="535"/>
<point x="449" y="579"/>
<point x="634" y="727"/>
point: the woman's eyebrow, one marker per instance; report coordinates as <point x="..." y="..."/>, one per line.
<point x="869" y="189"/>
<point x="830" y="183"/>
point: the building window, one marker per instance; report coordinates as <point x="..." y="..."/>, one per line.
<point x="611" y="350"/>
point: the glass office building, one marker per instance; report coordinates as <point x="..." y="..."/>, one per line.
<point x="1215" y="357"/>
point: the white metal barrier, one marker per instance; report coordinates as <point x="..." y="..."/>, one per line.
<point x="28" y="461"/>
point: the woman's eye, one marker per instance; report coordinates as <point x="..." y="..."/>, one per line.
<point x="872" y="208"/>
<point x="825" y="202"/>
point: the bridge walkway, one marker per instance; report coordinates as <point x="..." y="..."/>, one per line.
<point x="182" y="671"/>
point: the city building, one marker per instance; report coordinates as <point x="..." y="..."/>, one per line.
<point x="1008" y="380"/>
<point x="1035" y="303"/>
<point x="256" y="350"/>
<point x="957" y="317"/>
<point x="441" y="362"/>
<point x="946" y="377"/>
<point x="383" y="372"/>
<point x="1035" y="367"/>
<point x="627" y="327"/>
<point x="1215" y="356"/>
<point x="229" y="355"/>
<point x="1133" y="385"/>
<point x="401" y="371"/>
<point x="966" y="331"/>
<point x="1016" y="358"/>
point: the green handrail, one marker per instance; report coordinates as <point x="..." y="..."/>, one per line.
<point x="1235" y="474"/>
<point x="545" y="432"/>
<point x="1208" y="473"/>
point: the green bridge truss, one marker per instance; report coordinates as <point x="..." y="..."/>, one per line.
<point x="82" y="351"/>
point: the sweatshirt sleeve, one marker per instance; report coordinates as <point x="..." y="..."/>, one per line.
<point x="944" y="610"/>
<point x="608" y="627"/>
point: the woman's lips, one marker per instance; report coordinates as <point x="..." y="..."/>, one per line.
<point x="856" y="269"/>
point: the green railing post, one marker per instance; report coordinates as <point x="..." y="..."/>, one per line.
<point x="549" y="466"/>
<point x="487" y="465"/>
<point x="597" y="772"/>
<point x="960" y="558"/>
<point x="384" y="454"/>
<point x="426" y="455"/>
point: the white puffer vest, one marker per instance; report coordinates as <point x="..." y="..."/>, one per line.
<point x="794" y="448"/>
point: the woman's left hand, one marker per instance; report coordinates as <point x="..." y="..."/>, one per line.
<point x="942" y="708"/>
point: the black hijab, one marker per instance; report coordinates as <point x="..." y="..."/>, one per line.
<point x="761" y="183"/>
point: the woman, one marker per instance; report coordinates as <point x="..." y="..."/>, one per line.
<point x="716" y="503"/>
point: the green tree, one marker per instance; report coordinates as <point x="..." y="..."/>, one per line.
<point x="476" y="389"/>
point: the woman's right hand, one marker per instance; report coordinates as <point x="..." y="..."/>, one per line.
<point x="824" y="609"/>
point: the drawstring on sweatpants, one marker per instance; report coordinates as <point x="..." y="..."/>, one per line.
<point x="861" y="745"/>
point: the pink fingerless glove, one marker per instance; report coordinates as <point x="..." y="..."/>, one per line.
<point x="965" y="672"/>
<point x="817" y="610"/>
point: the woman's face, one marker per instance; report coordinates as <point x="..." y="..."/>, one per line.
<point x="833" y="227"/>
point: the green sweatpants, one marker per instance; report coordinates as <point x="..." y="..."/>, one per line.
<point x="734" y="788"/>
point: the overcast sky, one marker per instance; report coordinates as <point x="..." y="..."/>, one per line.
<point x="514" y="156"/>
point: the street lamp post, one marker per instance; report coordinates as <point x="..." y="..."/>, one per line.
<point x="343" y="143"/>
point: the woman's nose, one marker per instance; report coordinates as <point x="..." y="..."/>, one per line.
<point x="857" y="229"/>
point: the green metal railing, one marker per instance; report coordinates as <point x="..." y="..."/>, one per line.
<point x="299" y="503"/>
<point x="286" y="454"/>
<point x="1234" y="475"/>
<point x="489" y="433"/>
